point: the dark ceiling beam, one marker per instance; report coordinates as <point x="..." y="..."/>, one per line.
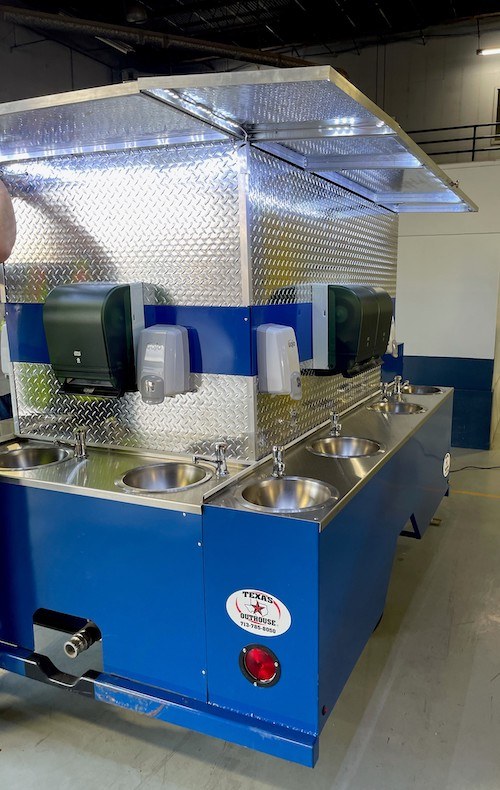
<point x="143" y="38"/>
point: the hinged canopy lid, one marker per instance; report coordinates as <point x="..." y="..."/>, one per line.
<point x="312" y="117"/>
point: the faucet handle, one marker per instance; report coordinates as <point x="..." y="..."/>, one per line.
<point x="384" y="387"/>
<point x="80" y="436"/>
<point x="336" y="424"/>
<point x="278" y="462"/>
<point x="220" y="457"/>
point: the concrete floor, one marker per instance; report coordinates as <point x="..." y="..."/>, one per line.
<point x="421" y="709"/>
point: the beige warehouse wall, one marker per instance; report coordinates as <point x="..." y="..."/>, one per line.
<point x="449" y="276"/>
<point x="34" y="69"/>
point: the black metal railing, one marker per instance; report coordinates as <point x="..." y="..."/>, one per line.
<point x="470" y="137"/>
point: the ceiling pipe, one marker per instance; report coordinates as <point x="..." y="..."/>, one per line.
<point x="143" y="38"/>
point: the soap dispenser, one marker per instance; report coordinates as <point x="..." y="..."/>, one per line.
<point x="278" y="361"/>
<point x="162" y="362"/>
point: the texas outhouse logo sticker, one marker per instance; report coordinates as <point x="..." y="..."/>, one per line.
<point x="258" y="612"/>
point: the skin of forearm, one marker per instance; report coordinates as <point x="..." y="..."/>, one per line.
<point x="7" y="224"/>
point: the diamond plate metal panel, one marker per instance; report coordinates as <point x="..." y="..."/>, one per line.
<point x="281" y="103"/>
<point x="167" y="217"/>
<point x="280" y="420"/>
<point x="398" y="182"/>
<point x="219" y="407"/>
<point x="174" y="218"/>
<point x="122" y="121"/>
<point x="305" y="229"/>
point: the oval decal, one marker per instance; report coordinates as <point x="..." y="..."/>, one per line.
<point x="258" y="612"/>
<point x="446" y="464"/>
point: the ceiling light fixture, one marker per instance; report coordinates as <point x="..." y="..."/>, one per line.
<point x="484" y="50"/>
<point x="489" y="51"/>
<point x="121" y="46"/>
<point x="136" y="13"/>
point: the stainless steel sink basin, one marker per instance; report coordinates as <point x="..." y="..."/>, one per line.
<point x="345" y="447"/>
<point x="24" y="457"/>
<point x="288" y="494"/>
<point x="420" y="389"/>
<point x="396" y="407"/>
<point x="164" y="478"/>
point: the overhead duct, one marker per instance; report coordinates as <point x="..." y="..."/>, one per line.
<point x="142" y="38"/>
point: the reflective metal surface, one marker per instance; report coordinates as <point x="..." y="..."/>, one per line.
<point x="186" y="424"/>
<point x="282" y="108"/>
<point x="347" y="475"/>
<point x="66" y="233"/>
<point x="97" y="476"/>
<point x="164" y="478"/>
<point x="397" y="407"/>
<point x="345" y="447"/>
<point x="420" y="389"/>
<point x="176" y="226"/>
<point x="288" y="494"/>
<point x="31" y="456"/>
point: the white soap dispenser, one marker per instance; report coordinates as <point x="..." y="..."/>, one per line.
<point x="278" y="361"/>
<point x="163" y="362"/>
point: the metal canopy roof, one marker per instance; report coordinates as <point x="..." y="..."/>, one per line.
<point x="312" y="117"/>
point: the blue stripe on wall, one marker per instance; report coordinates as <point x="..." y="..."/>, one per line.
<point x="26" y="333"/>
<point x="472" y="380"/>
<point x="220" y="338"/>
<point x="466" y="374"/>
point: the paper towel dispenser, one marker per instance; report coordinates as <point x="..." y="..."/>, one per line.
<point x="351" y="325"/>
<point x="384" y="320"/>
<point x="91" y="331"/>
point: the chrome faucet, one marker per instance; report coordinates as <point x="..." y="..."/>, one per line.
<point x="384" y="387"/>
<point x="278" y="462"/>
<point x="336" y="425"/>
<point x="220" y="461"/>
<point x="80" y="446"/>
<point x="398" y="386"/>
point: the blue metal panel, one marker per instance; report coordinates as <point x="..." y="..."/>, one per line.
<point x="26" y="333"/>
<point x="457" y="372"/>
<point x="135" y="571"/>
<point x="300" y="747"/>
<point x="472" y="419"/>
<point x="421" y="464"/>
<point x="357" y="548"/>
<point x="245" y="550"/>
<point x="356" y="555"/>
<point x="220" y="338"/>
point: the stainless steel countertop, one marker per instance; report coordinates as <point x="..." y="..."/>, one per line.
<point x="96" y="476"/>
<point x="347" y="475"/>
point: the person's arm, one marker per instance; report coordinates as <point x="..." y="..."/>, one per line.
<point x="7" y="224"/>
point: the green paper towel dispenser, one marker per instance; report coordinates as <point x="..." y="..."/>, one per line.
<point x="91" y="331"/>
<point x="350" y="325"/>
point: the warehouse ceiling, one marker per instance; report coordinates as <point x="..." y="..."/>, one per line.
<point x="165" y="36"/>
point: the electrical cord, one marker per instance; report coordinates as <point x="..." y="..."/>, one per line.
<point x="452" y="471"/>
